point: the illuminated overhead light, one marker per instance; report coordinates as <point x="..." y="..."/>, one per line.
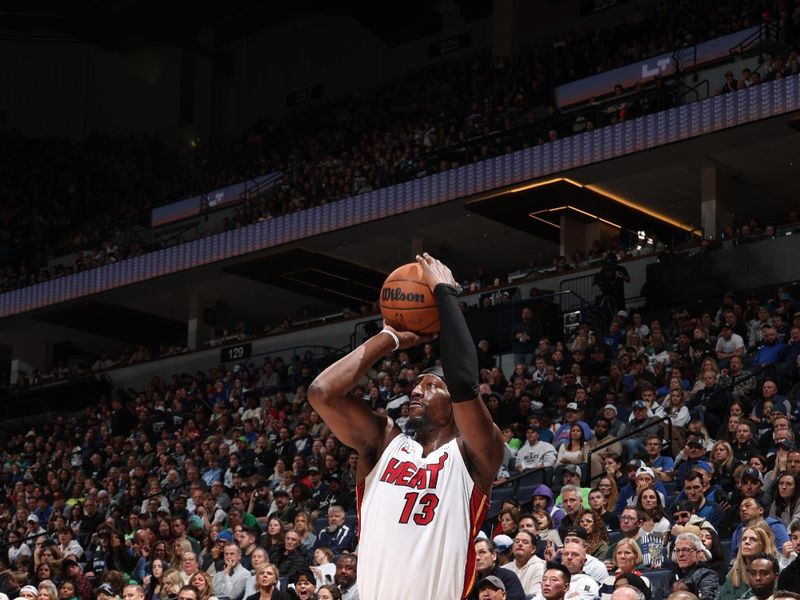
<point x="639" y="207"/>
<point x="591" y="216"/>
<point x="533" y="216"/>
<point x="610" y="195"/>
<point x="641" y="235"/>
<point x="531" y="186"/>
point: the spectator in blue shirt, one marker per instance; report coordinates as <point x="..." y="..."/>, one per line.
<point x="662" y="465"/>
<point x="572" y="415"/>
<point x="695" y="456"/>
<point x="771" y="352"/>
<point x="703" y="507"/>
<point x="751" y="510"/>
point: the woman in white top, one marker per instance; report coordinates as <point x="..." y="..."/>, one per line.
<point x="574" y="451"/>
<point x="324" y="569"/>
<point x="675" y="407"/>
<point x="655" y="528"/>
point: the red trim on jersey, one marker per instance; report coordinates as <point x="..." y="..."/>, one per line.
<point x="478" y="507"/>
<point x="359" y="500"/>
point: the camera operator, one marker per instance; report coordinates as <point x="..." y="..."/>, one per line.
<point x="611" y="279"/>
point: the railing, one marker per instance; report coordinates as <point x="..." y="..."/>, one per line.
<point x="363" y="330"/>
<point x="693" y="89"/>
<point x="577" y="292"/>
<point x="608" y="443"/>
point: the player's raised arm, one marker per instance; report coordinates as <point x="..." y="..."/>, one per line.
<point x="349" y="418"/>
<point x="481" y="438"/>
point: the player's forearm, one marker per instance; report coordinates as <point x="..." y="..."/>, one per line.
<point x="459" y="357"/>
<point x="338" y="379"/>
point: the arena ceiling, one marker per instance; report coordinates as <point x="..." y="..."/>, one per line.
<point x="128" y="25"/>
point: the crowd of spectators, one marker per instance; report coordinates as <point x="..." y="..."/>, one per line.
<point x="230" y="472"/>
<point x="750" y="232"/>
<point x="74" y="199"/>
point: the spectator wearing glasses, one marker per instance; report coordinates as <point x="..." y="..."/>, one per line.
<point x="690" y="566"/>
<point x="629" y="523"/>
<point x="627" y="559"/>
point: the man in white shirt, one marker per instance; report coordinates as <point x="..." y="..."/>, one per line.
<point x="67" y="544"/>
<point x="526" y="565"/>
<point x="534" y="453"/>
<point x="728" y="343"/>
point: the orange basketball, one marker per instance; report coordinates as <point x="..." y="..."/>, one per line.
<point x="407" y="303"/>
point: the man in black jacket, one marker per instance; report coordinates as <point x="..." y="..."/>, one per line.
<point x="292" y="557"/>
<point x="688" y="548"/>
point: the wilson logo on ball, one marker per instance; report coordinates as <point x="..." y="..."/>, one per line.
<point x="397" y="294"/>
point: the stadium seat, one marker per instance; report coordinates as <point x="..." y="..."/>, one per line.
<point x="614" y="537"/>
<point x="660" y="582"/>
<point x="319" y="524"/>
<point x="726" y="550"/>
<point x="502" y="492"/>
<point x="524" y="491"/>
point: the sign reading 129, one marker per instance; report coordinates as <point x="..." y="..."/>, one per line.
<point x="237" y="352"/>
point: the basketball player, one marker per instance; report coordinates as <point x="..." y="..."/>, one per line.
<point x="422" y="494"/>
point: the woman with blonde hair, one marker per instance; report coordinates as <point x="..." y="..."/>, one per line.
<point x="171" y="584"/>
<point x="267" y="579"/>
<point x="627" y="557"/>
<point x="675" y="408"/>
<point x="722" y="459"/>
<point x="202" y="583"/>
<point x="178" y="548"/>
<point x="755" y="539"/>
<point x="258" y="558"/>
<point x="47" y="590"/>
<point x="302" y="525"/>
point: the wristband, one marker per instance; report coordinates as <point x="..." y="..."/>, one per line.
<point x="392" y="335"/>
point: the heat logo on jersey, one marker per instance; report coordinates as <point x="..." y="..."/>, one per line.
<point x="407" y="474"/>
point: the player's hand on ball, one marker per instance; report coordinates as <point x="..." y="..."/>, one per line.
<point x="435" y="271"/>
<point x="408" y="339"/>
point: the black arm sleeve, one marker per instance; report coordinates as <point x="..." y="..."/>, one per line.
<point x="459" y="357"/>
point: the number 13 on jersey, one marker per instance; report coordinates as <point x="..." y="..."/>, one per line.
<point x="419" y="509"/>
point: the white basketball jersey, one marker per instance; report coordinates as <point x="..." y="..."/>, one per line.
<point x="418" y="517"/>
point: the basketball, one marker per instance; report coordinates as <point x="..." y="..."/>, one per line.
<point x="407" y="303"/>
